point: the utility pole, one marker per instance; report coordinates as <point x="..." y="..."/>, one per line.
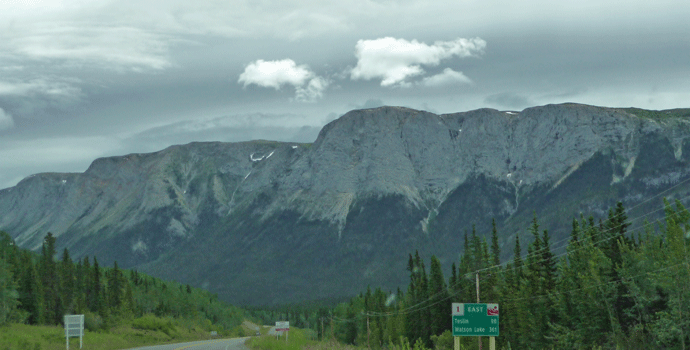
<point x="332" y="333"/>
<point x="477" y="283"/>
<point x="322" y="334"/>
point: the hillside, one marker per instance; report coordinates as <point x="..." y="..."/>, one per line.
<point x="121" y="308"/>
<point x="293" y="222"/>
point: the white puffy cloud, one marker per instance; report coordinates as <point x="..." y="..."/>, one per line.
<point x="448" y="77"/>
<point x="6" y="121"/>
<point x="274" y="74"/>
<point x="394" y="60"/>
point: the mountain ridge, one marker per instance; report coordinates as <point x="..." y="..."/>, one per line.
<point x="375" y="185"/>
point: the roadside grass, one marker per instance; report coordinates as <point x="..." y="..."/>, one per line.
<point x="143" y="331"/>
<point x="297" y="339"/>
<point x="330" y="344"/>
<point x="249" y="328"/>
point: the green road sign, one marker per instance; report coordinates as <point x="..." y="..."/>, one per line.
<point x="474" y="320"/>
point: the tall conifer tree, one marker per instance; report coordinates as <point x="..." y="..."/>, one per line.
<point x="440" y="302"/>
<point x="30" y="290"/>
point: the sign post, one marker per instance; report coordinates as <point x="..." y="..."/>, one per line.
<point x="475" y="320"/>
<point x="283" y="326"/>
<point x="74" y="327"/>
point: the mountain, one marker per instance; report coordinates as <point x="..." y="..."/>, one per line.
<point x="265" y="222"/>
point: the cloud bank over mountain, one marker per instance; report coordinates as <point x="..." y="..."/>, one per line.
<point x="108" y="69"/>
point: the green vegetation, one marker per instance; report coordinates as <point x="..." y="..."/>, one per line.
<point x="18" y="336"/>
<point x="660" y="115"/>
<point x="153" y="323"/>
<point x="610" y="290"/>
<point x="297" y="339"/>
<point x="122" y="308"/>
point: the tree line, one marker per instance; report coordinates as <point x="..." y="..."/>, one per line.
<point x="610" y="289"/>
<point x="39" y="289"/>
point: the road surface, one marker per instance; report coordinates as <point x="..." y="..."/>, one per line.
<point x="215" y="344"/>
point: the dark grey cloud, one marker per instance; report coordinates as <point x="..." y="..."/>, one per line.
<point x="6" y="120"/>
<point x="369" y="103"/>
<point x="80" y="80"/>
<point x="257" y="126"/>
<point x="508" y="100"/>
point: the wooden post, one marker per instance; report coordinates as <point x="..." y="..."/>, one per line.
<point x="322" y="334"/>
<point x="332" y="333"/>
<point x="477" y="282"/>
<point x="368" y="334"/>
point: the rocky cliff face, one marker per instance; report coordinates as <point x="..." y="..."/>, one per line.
<point x="291" y="221"/>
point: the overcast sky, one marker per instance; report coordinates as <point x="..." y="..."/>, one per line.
<point x="82" y="79"/>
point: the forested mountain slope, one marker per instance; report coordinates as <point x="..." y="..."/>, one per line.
<point x="268" y="222"/>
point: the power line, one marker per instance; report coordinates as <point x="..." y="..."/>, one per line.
<point x="497" y="268"/>
<point x="419" y="307"/>
<point x="620" y="280"/>
<point x="500" y="271"/>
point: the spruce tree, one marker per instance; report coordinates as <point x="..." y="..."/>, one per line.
<point x="517" y="263"/>
<point x="79" y="288"/>
<point x="67" y="282"/>
<point x="453" y="282"/>
<point x="440" y="302"/>
<point x="30" y="290"/>
<point x="424" y="311"/>
<point x="115" y="282"/>
<point x="412" y="322"/>
<point x="492" y="289"/>
<point x="495" y="249"/>
<point x="548" y="264"/>
<point x="8" y="293"/>
<point x="96" y="302"/>
<point x="350" y="327"/>
<point x="87" y="284"/>
<point x="52" y="304"/>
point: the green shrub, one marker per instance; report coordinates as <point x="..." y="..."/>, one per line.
<point x="443" y="341"/>
<point x="93" y="322"/>
<point x="153" y="323"/>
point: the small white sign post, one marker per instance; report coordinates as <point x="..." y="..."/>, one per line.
<point x="74" y="327"/>
<point x="283" y="326"/>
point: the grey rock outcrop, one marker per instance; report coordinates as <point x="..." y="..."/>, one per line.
<point x="374" y="186"/>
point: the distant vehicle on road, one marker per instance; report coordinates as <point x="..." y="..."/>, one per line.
<point x="258" y="333"/>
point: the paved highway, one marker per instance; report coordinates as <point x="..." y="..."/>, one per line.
<point x="215" y="344"/>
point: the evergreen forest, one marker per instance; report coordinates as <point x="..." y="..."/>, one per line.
<point x="39" y="289"/>
<point x="609" y="289"/>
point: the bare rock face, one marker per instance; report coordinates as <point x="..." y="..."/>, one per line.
<point x="328" y="218"/>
